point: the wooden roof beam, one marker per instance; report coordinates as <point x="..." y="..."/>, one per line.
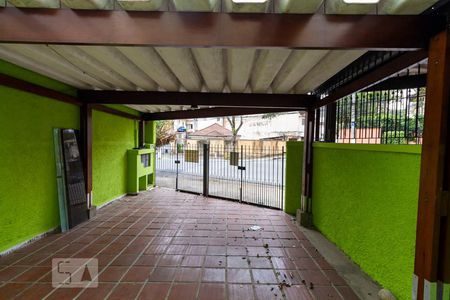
<point x="175" y="29"/>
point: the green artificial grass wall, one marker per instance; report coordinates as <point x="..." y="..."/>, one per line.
<point x="28" y="194"/>
<point x="365" y="201"/>
<point x="112" y="136"/>
<point x="294" y="166"/>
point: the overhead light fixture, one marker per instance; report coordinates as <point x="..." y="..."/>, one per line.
<point x="361" y="1"/>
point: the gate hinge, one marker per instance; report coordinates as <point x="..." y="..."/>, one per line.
<point x="177" y="161"/>
<point x="445" y="203"/>
<point x="241" y="168"/>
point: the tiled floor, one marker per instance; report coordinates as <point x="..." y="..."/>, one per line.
<point x="168" y="245"/>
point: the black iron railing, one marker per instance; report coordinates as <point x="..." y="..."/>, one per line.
<point x="381" y="117"/>
<point x="248" y="174"/>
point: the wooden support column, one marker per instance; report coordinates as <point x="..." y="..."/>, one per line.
<point x="330" y="123"/>
<point x="317" y="128"/>
<point x="86" y="142"/>
<point x="304" y="215"/>
<point x="432" y="239"/>
<point x="141" y="139"/>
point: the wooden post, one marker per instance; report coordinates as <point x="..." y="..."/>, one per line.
<point x="141" y="139"/>
<point x="330" y="123"/>
<point x="86" y="138"/>
<point x="304" y="216"/>
<point x="432" y="237"/>
<point x="317" y="126"/>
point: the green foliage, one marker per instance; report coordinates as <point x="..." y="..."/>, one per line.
<point x="164" y="132"/>
<point x="394" y="137"/>
<point x="383" y="110"/>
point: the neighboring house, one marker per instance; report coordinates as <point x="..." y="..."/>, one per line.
<point x="283" y="126"/>
<point x="212" y="132"/>
<point x="217" y="136"/>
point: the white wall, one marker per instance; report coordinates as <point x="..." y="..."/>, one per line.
<point x="255" y="127"/>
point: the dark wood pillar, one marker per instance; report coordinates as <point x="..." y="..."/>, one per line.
<point x="330" y="123"/>
<point x="432" y="240"/>
<point x="317" y="126"/>
<point x="86" y="141"/>
<point x="305" y="215"/>
<point x="141" y="138"/>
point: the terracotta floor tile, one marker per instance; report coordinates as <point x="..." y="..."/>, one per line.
<point x="236" y="250"/>
<point x="99" y="292"/>
<point x="35" y="292"/>
<point x="11" y="272"/>
<point x="183" y="291"/>
<point x="32" y="274"/>
<point x="124" y="291"/>
<point x="176" y="249"/>
<point x="112" y="274"/>
<point x="237" y="262"/>
<point x="213" y="275"/>
<point x="347" y="293"/>
<point x="269" y="292"/>
<point x="260" y="262"/>
<point x="216" y="250"/>
<point x="283" y="263"/>
<point x="154" y="291"/>
<point x="296" y="292"/>
<point x="124" y="260"/>
<point x="147" y="260"/>
<point x="170" y="260"/>
<point x="64" y="293"/>
<point x="238" y="276"/>
<point x="306" y="263"/>
<point x="314" y="276"/>
<point x="11" y="259"/>
<point x="334" y="277"/>
<point x="325" y="292"/>
<point x="211" y="291"/>
<point x="196" y="250"/>
<point x="156" y="249"/>
<point x="9" y="290"/>
<point x="240" y="292"/>
<point x="163" y="274"/>
<point x="202" y="246"/>
<point x="188" y="274"/>
<point x="137" y="274"/>
<point x="215" y="262"/>
<point x="193" y="261"/>
<point x="264" y="276"/>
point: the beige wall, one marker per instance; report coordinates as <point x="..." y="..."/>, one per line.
<point x="251" y="147"/>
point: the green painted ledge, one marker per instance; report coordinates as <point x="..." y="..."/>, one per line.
<point x="15" y="71"/>
<point x="411" y="149"/>
<point x="124" y="108"/>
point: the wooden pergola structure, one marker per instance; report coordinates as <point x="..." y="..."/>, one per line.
<point x="322" y="37"/>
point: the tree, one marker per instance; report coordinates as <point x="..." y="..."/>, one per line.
<point x="164" y="132"/>
<point x="234" y="128"/>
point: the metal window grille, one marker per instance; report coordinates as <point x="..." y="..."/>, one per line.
<point x="381" y="117"/>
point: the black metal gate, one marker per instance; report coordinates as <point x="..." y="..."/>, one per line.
<point x="247" y="174"/>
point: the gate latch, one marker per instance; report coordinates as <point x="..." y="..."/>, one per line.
<point x="177" y="161"/>
<point x="241" y="168"/>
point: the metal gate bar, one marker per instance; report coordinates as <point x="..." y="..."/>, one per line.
<point x="247" y="174"/>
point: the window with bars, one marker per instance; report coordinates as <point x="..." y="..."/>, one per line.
<point x="379" y="117"/>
